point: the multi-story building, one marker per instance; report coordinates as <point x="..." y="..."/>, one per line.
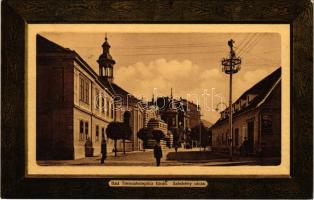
<point x="194" y="112"/>
<point x="73" y="105"/>
<point x="256" y="117"/>
<point x="180" y="115"/>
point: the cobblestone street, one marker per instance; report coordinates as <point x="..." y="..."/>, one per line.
<point x="140" y="158"/>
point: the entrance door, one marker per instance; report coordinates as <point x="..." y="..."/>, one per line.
<point x="250" y="128"/>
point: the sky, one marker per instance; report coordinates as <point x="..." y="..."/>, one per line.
<point x="190" y="63"/>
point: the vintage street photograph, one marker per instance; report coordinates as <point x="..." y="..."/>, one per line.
<point x="158" y="99"/>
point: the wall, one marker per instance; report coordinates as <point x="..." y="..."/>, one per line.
<point x="240" y="123"/>
<point x="269" y="142"/>
<point x="93" y="113"/>
<point x="54" y="96"/>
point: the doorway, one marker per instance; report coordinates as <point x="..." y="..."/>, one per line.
<point x="250" y="128"/>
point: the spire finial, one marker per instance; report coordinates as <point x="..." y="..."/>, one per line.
<point x="171" y="93"/>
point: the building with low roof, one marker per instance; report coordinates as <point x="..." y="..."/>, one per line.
<point x="256" y="117"/>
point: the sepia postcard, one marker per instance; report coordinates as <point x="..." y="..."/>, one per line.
<point x="120" y="100"/>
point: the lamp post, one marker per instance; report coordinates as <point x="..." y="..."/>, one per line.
<point x="231" y="65"/>
<point x="220" y="103"/>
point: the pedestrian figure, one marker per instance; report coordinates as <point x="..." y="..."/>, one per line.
<point x="157" y="152"/>
<point x="103" y="151"/>
<point x="245" y="146"/>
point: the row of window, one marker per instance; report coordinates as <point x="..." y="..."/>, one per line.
<point x="100" y="99"/>
<point x="97" y="133"/>
<point x="238" y="105"/>
<point x="84" y="131"/>
<point x="223" y="138"/>
<point x="100" y="103"/>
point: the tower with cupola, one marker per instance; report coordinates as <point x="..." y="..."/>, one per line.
<point x="106" y="62"/>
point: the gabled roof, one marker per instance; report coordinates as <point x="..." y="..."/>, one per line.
<point x="128" y="98"/>
<point x="46" y="46"/>
<point x="262" y="89"/>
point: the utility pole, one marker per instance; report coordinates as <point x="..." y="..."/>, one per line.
<point x="200" y="131"/>
<point x="200" y="136"/>
<point x="231" y="66"/>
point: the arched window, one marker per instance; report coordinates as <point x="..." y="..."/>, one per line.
<point x="126" y="117"/>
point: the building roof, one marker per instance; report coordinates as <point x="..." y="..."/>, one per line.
<point x="262" y="89"/>
<point x="106" y="56"/>
<point x="128" y="98"/>
<point x="46" y="46"/>
<point x="156" y="120"/>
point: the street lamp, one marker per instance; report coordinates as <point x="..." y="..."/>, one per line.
<point x="231" y="65"/>
<point x="220" y="103"/>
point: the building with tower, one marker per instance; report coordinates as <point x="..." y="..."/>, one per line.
<point x="126" y="104"/>
<point x="75" y="104"/>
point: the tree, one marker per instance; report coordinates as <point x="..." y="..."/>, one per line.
<point x="144" y="134"/>
<point x="176" y="137"/>
<point x="158" y="135"/>
<point x="125" y="134"/>
<point x="126" y="129"/>
<point x="114" y="134"/>
<point x="205" y="138"/>
<point x="117" y="131"/>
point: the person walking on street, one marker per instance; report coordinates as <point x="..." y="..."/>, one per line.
<point x="246" y="146"/>
<point x="157" y="152"/>
<point x="103" y="151"/>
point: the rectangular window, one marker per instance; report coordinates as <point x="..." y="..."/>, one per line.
<point x="97" y="133"/>
<point x="107" y="107"/>
<point x="81" y="130"/>
<point x="86" y="130"/>
<point x="84" y="90"/>
<point x="102" y="104"/>
<point x="81" y="88"/>
<point x="103" y="133"/>
<point x="97" y="99"/>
